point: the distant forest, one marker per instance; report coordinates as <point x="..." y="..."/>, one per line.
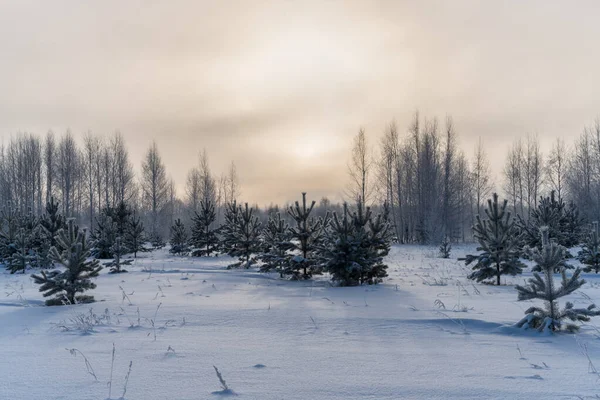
<point x="427" y="186"/>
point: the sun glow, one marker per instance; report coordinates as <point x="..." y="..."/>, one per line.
<point x="307" y="149"/>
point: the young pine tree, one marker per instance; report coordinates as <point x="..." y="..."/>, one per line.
<point x="40" y="245"/>
<point x="204" y="235"/>
<point x="354" y="246"/>
<point x="52" y="222"/>
<point x="25" y="244"/>
<point x="156" y="241"/>
<point x="573" y="226"/>
<point x="307" y="234"/>
<point x="118" y="251"/>
<point x="104" y="237"/>
<point x="120" y="215"/>
<point x="77" y="276"/>
<point x="445" y="247"/>
<point x="564" y="223"/>
<point x="276" y="243"/>
<point x="542" y="287"/>
<point x="548" y="214"/>
<point x="9" y="224"/>
<point x="590" y="251"/>
<point x="247" y="238"/>
<point x="21" y="257"/>
<point x="179" y="238"/>
<point x="228" y="229"/>
<point x="134" y="235"/>
<point x="498" y="243"/>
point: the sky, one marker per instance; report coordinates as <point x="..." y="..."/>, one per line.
<point x="281" y="87"/>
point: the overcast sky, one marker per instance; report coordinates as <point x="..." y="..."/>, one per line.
<point x="281" y="87"/>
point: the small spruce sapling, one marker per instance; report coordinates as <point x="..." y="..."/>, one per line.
<point x="77" y="276"/>
<point x="228" y="229"/>
<point x="104" y="236"/>
<point x="21" y="257"/>
<point x="276" y="243"/>
<point x="564" y="223"/>
<point x="156" y="241"/>
<point x="307" y="235"/>
<point x="49" y="225"/>
<point x="134" y="235"/>
<point x="590" y="251"/>
<point x="52" y="221"/>
<point x="179" y="238"/>
<point x="204" y="235"/>
<point x="354" y="246"/>
<point x="9" y="228"/>
<point x="498" y="243"/>
<point x="445" y="247"/>
<point x="550" y="318"/>
<point x="247" y="238"/>
<point x="120" y="215"/>
<point x="118" y="250"/>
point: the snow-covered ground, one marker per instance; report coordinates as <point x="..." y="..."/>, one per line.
<point x="426" y="333"/>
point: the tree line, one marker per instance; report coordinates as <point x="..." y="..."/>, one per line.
<point x="433" y="190"/>
<point x="97" y="175"/>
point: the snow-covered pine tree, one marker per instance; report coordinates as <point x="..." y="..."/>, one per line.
<point x="276" y="243"/>
<point x="204" y="238"/>
<point x="228" y="229"/>
<point x="21" y="257"/>
<point x="76" y="278"/>
<point x="548" y="213"/>
<point x="445" y="247"/>
<point x="590" y="251"/>
<point x="134" y="235"/>
<point x="52" y="221"/>
<point x="341" y="251"/>
<point x="387" y="218"/>
<point x="28" y="243"/>
<point x="40" y="245"/>
<point x="156" y="241"/>
<point x="354" y="246"/>
<point x="498" y="241"/>
<point x="564" y="223"/>
<point x="382" y="235"/>
<point x="118" y="251"/>
<point x="104" y="236"/>
<point x="120" y="215"/>
<point x="550" y="318"/>
<point x="378" y="243"/>
<point x="572" y="226"/>
<point x="9" y="227"/>
<point x="179" y="238"/>
<point x="247" y="238"/>
<point x="306" y="234"/>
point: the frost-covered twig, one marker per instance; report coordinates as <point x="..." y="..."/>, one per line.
<point x="126" y="380"/>
<point x="456" y="321"/>
<point x="112" y="365"/>
<point x="124" y="296"/>
<point x="591" y="367"/>
<point x="153" y="321"/>
<point x="221" y="380"/>
<point x="88" y="365"/>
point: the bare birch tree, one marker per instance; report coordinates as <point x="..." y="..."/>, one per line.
<point x="155" y="186"/>
<point x="482" y="185"/>
<point x="359" y="170"/>
<point x="556" y="168"/>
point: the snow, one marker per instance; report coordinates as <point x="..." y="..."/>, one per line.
<point x="277" y="339"/>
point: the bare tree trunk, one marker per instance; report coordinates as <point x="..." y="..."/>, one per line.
<point x="359" y="170"/>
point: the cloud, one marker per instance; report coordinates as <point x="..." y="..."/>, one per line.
<point x="266" y="83"/>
